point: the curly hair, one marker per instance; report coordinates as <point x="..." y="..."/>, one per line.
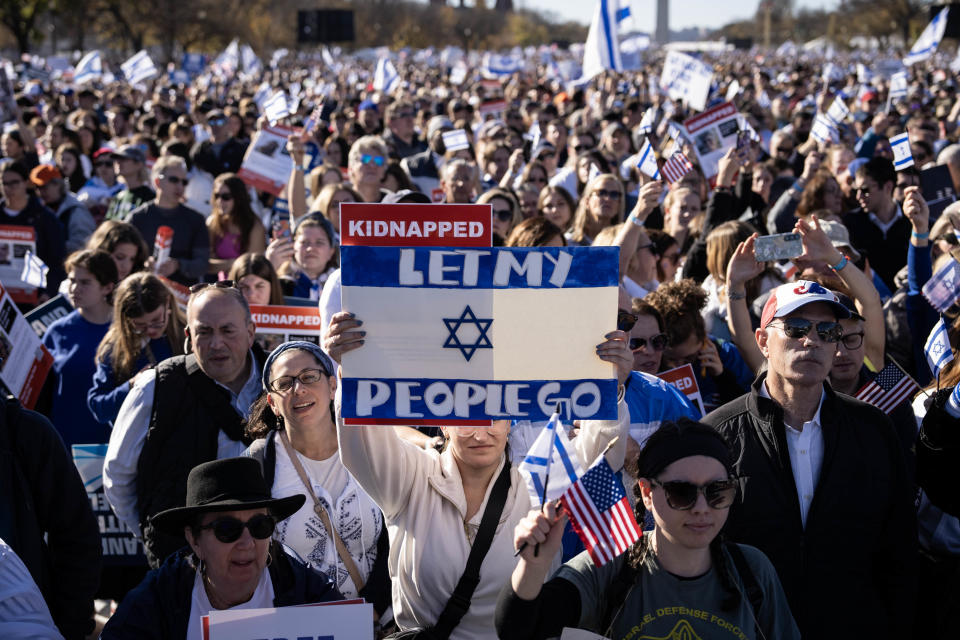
<point x="680" y="304"/>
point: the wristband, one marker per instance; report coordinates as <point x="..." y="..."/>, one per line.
<point x="840" y="265"/>
<point x="736" y="295"/>
<point x="636" y="220"/>
<point x="920" y="236"/>
<point x="722" y="189"/>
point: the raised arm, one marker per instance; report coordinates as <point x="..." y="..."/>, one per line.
<point x="296" y="189"/>
<point x="742" y="268"/>
<point x="632" y="233"/>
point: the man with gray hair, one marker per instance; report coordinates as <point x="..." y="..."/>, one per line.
<point x="188" y="410"/>
<point x="460" y="181"/>
<point x="190" y="247"/>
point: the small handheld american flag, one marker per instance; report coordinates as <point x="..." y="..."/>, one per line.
<point x="891" y="387"/>
<point x="676" y="167"/>
<point x="601" y="514"/>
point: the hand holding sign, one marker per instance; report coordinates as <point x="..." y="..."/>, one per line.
<point x="727" y="167"/>
<point x="342" y="336"/>
<point x="615" y="350"/>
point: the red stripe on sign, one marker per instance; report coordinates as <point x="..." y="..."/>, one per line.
<point x="432" y="422"/>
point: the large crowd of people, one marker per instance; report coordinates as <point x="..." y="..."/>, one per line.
<point x="785" y="507"/>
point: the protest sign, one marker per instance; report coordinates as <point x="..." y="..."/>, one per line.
<point x="277" y="324"/>
<point x="24" y="361"/>
<point x="713" y="132"/>
<point x="180" y="293"/>
<point x="336" y="621"/>
<point x="684" y="380"/>
<point x="267" y="165"/>
<point x="461" y="333"/>
<point x="686" y="78"/>
<point x="15" y="242"/>
<point x="119" y="545"/>
<point x="937" y="187"/>
<point x="43" y="316"/>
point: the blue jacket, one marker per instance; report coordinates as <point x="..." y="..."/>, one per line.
<point x="652" y="401"/>
<point x="107" y="394"/>
<point x="159" y="607"/>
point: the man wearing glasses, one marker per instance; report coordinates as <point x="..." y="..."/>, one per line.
<point x="400" y="135"/>
<point x="827" y="496"/>
<point x="190" y="409"/>
<point x="190" y="249"/>
<point x="221" y="152"/>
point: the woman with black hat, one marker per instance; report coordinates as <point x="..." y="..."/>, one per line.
<point x="228" y="520"/>
<point x="681" y="579"/>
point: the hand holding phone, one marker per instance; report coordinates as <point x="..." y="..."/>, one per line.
<point x="781" y="246"/>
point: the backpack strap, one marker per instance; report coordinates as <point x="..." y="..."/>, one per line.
<point x="750" y="584"/>
<point x="616" y="595"/>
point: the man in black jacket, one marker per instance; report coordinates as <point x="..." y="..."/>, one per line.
<point x="826" y="494"/>
<point x="45" y="517"/>
<point x="222" y="152"/>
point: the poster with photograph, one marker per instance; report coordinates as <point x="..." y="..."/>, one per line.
<point x="712" y="133"/>
<point x="24" y="361"/>
<point x="15" y="241"/>
<point x="277" y="324"/>
<point x="267" y="165"/>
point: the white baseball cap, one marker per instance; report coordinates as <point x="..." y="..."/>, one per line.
<point x="789" y="297"/>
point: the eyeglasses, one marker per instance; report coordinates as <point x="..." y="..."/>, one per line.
<point x="219" y="284"/>
<point x="504" y="215"/>
<point x="306" y="377"/>
<point x="682" y="496"/>
<point x="852" y="340"/>
<point x="175" y="180"/>
<point x="797" y="328"/>
<point x="657" y="342"/>
<point x="625" y="320"/>
<point x="865" y="191"/>
<point x="405" y="114"/>
<point x="368" y="158"/>
<point x="229" y="530"/>
<point x="605" y="193"/>
<point x="226" y="197"/>
<point x="140" y="328"/>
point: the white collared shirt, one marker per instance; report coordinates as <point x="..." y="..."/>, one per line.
<point x="805" y="446"/>
<point x="200" y="606"/>
<point x="886" y="226"/>
<point x="130" y="433"/>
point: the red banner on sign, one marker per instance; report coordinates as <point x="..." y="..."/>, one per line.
<point x="416" y="225"/>
<point x="684" y="380"/>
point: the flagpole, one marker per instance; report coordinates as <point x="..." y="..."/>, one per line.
<point x="904" y="371"/>
<point x="546" y="476"/>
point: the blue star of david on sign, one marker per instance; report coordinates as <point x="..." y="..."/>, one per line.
<point x="467" y="318"/>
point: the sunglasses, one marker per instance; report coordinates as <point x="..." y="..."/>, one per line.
<point x="377" y="160"/>
<point x="219" y="284"/>
<point x="582" y="147"/>
<point x="682" y="496"/>
<point x="306" y="377"/>
<point x="504" y="215"/>
<point x="174" y="180"/>
<point x="217" y="122"/>
<point x="229" y="530"/>
<point x="604" y="193"/>
<point x="625" y="320"/>
<point x="108" y="163"/>
<point x="657" y="342"/>
<point x="797" y="328"/>
<point x="223" y="196"/>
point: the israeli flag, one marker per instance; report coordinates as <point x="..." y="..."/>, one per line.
<point x="34" y="270"/>
<point x="139" y="68"/>
<point x="823" y="130"/>
<point x="648" y="161"/>
<point x="838" y="112"/>
<point x="902" y="158"/>
<point x="455" y="140"/>
<point x="551" y="459"/>
<point x="926" y="45"/>
<point x="602" y="49"/>
<point x="251" y="63"/>
<point x="89" y="68"/>
<point x="832" y="73"/>
<point x="899" y="84"/>
<point x="385" y="78"/>
<point x="229" y="60"/>
<point x="744" y="125"/>
<point x="764" y="100"/>
<point x="276" y="107"/>
<point x="501" y="65"/>
<point x="937" y="348"/>
<point x="647" y="121"/>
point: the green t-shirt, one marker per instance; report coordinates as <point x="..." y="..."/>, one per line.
<point x="664" y="607"/>
<point x="123" y="204"/>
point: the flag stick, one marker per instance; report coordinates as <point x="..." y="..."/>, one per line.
<point x="546" y="476"/>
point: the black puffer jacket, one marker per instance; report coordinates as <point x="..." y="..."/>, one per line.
<point x="938" y="455"/>
<point x="159" y="607"/>
<point x="851" y="572"/>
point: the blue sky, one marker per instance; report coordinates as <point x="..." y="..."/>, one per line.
<point x="683" y="13"/>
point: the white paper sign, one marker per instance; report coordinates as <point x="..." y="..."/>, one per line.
<point x="686" y="78"/>
<point x="334" y="622"/>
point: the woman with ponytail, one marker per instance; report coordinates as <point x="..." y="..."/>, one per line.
<point x="681" y="579"/>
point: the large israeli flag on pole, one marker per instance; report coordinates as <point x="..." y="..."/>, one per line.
<point x="550" y="462"/>
<point x="926" y="45"/>
<point x="138" y="68"/>
<point x="89" y="68"/>
<point x="602" y="49"/>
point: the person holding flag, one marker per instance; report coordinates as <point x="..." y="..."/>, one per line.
<point x="680" y="579"/>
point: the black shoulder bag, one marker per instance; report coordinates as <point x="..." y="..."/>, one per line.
<point x="459" y="603"/>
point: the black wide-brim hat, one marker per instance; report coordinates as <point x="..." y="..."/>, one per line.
<point x="231" y="484"/>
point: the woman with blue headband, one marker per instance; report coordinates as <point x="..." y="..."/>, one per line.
<point x="339" y="530"/>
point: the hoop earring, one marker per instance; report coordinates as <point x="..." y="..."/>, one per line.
<point x="269" y="558"/>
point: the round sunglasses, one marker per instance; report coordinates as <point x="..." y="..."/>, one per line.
<point x="657" y="342"/>
<point x="682" y="496"/>
<point x="229" y="529"/>
<point x="797" y="328"/>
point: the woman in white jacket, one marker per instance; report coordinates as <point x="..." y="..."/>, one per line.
<point x="433" y="502"/>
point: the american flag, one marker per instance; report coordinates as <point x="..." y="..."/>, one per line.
<point x="601" y="514"/>
<point x="676" y="167"/>
<point x="891" y="387"/>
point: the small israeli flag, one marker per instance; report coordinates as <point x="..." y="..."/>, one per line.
<point x="898" y="85"/>
<point x="926" y="45"/>
<point x="251" y="63"/>
<point x="501" y="65"/>
<point x="385" y="78"/>
<point x="89" y="68"/>
<point x="647" y="121"/>
<point x="648" y="161"/>
<point x="550" y="462"/>
<point x="937" y="348"/>
<point x="838" y="111"/>
<point x="823" y="130"/>
<point x="276" y="107"/>
<point x="34" y="270"/>
<point x="138" y="68"/>
<point x="902" y="158"/>
<point x="455" y="140"/>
